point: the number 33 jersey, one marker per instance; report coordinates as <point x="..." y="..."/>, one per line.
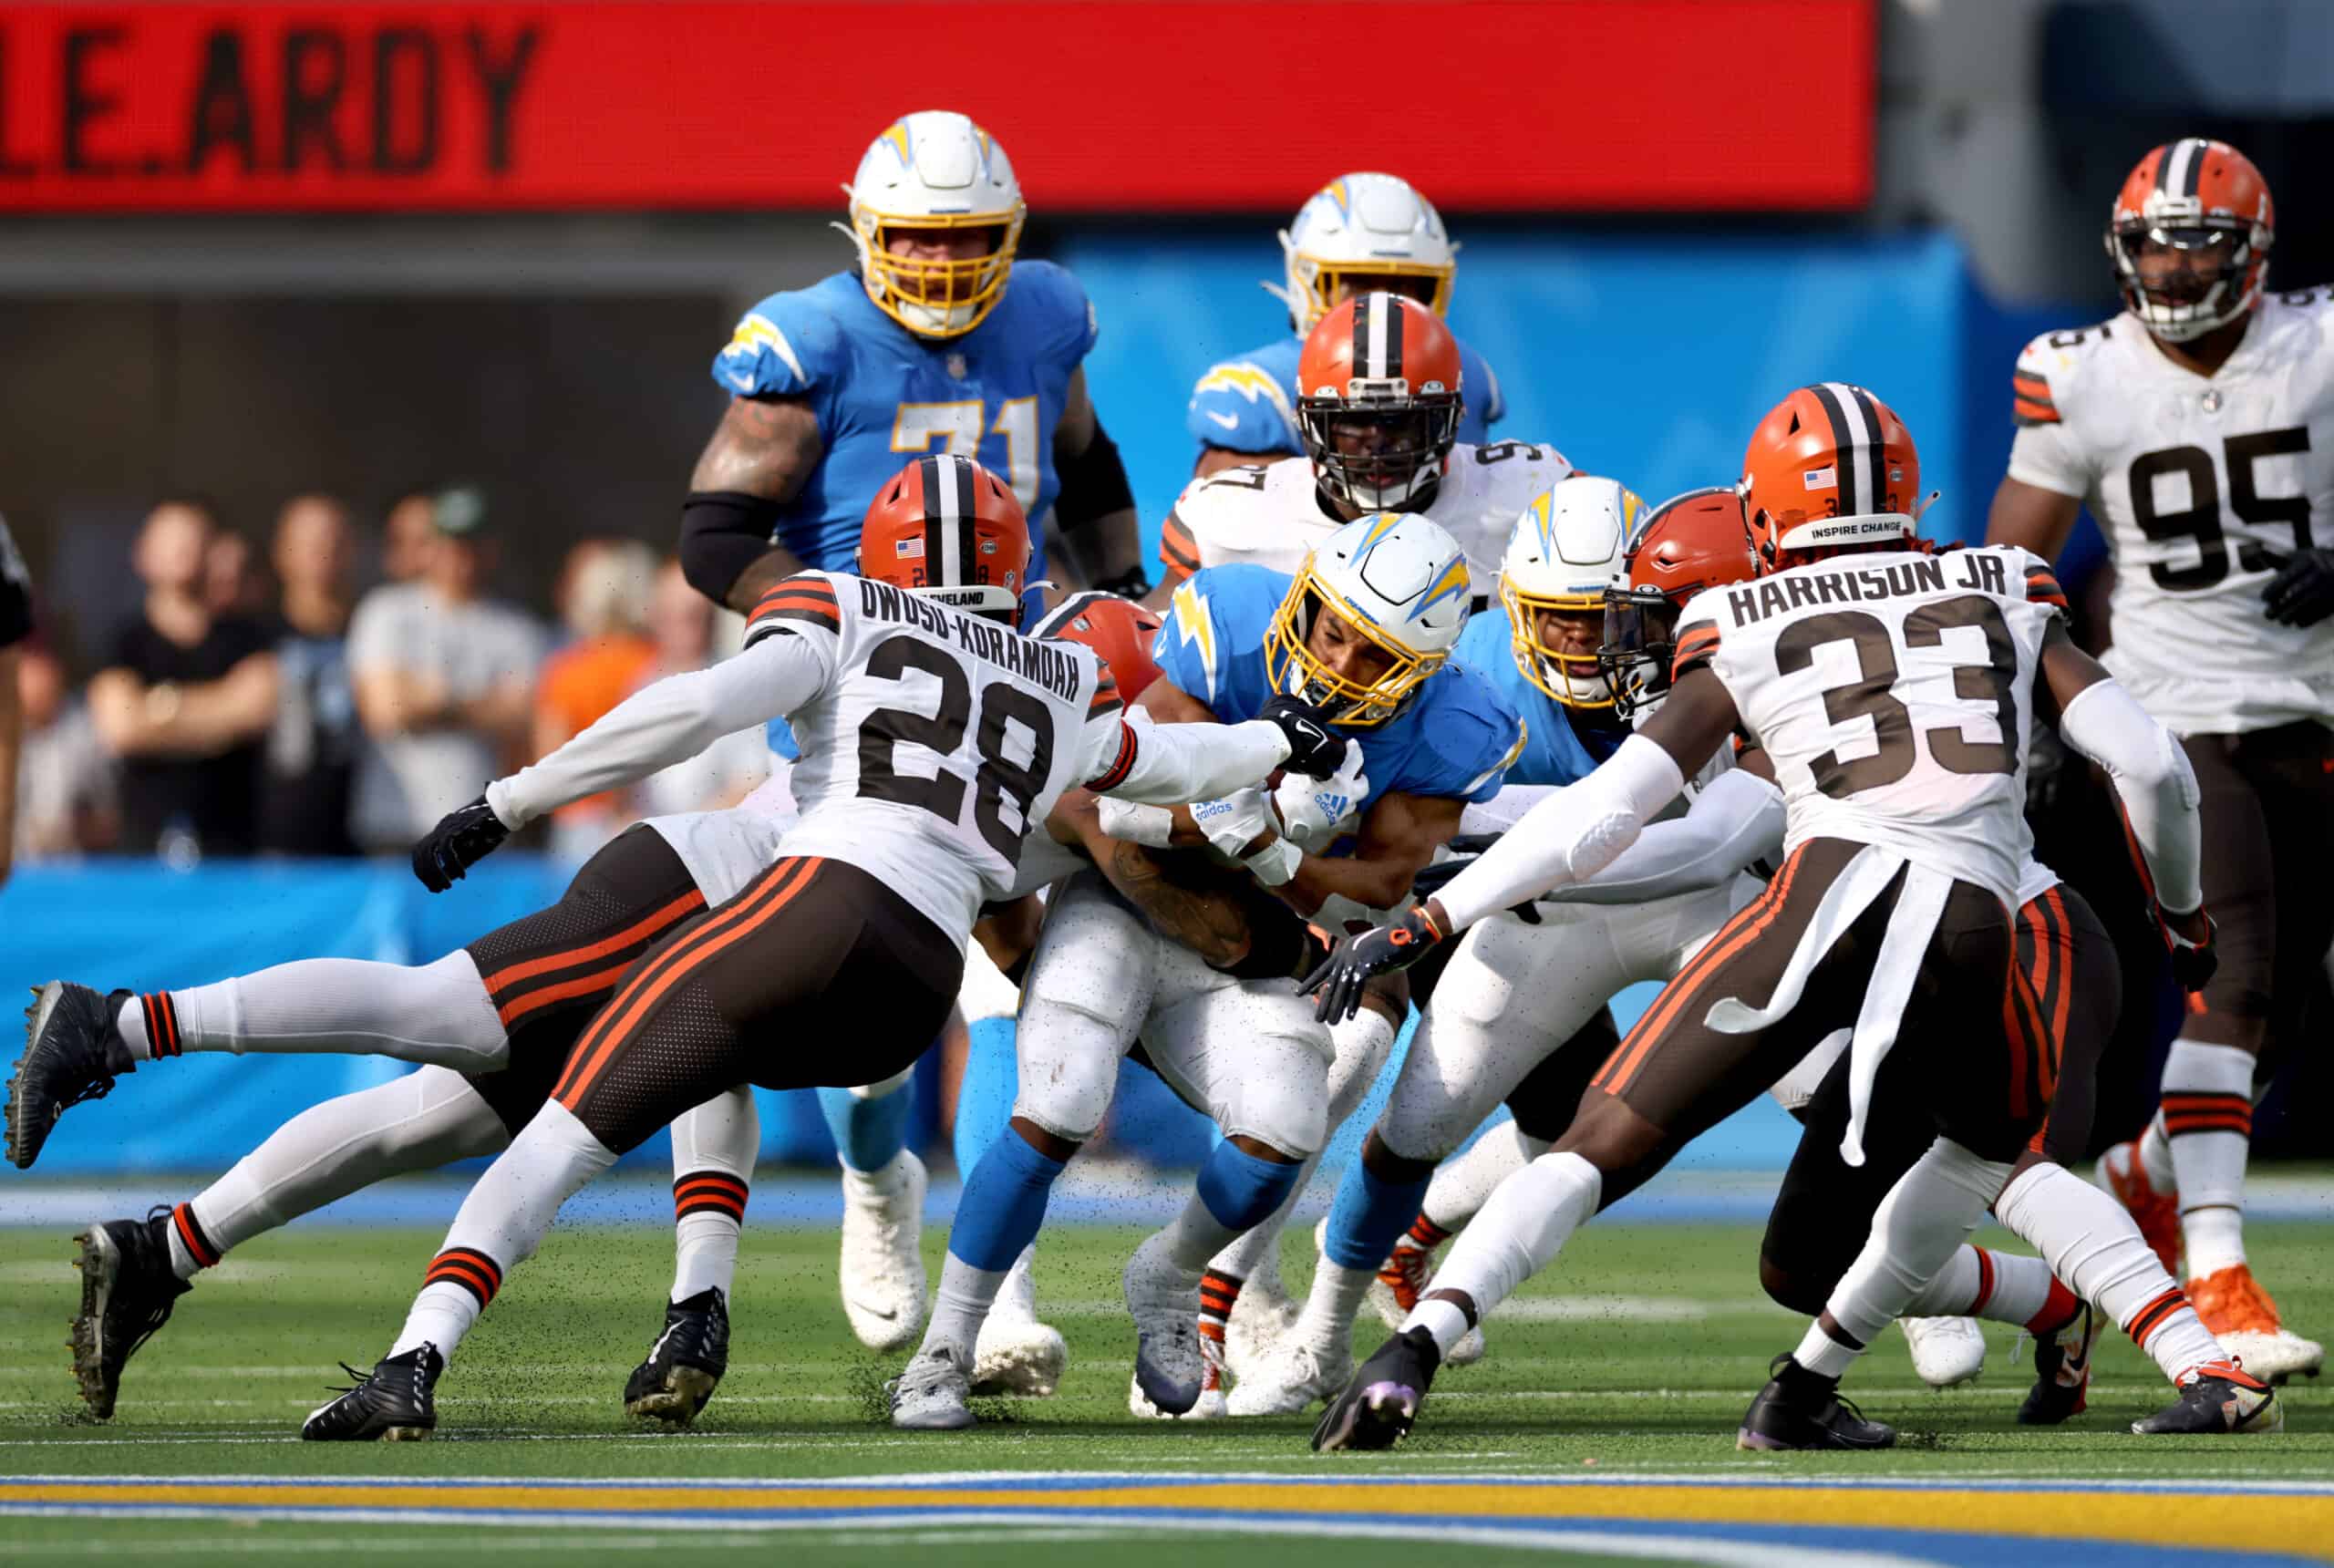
<point x="1892" y="692"/>
<point x="936" y="740"/>
<point x="2204" y="486"/>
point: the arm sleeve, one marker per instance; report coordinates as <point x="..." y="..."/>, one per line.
<point x="1170" y="764"/>
<point x="2154" y="782"/>
<point x="1569" y="837"/>
<point x="1504" y="810"/>
<point x="670" y="721"/>
<point x="1736" y="820"/>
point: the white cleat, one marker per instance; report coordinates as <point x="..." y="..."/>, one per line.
<point x="1947" y="1351"/>
<point x="1295" y="1378"/>
<point x="1163" y="1299"/>
<point x="1260" y="1318"/>
<point x="2274" y="1357"/>
<point x="931" y="1396"/>
<point x="882" y="1252"/>
<point x="1017" y="1353"/>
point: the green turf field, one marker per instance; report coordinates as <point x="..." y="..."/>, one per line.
<point x="1634" y="1358"/>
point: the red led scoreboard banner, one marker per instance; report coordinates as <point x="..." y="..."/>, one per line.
<point x="1105" y="105"/>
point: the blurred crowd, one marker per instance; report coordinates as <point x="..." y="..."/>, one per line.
<point x="258" y="703"/>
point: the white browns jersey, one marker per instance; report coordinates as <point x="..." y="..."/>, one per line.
<point x="1894" y="692"/>
<point x="935" y="740"/>
<point x="2203" y="487"/>
<point x="1272" y="515"/>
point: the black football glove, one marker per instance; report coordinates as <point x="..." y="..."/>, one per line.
<point x="465" y="836"/>
<point x="2193" y="965"/>
<point x="1465" y="848"/>
<point x="2302" y="592"/>
<point x="1314" y="748"/>
<point x="1352" y="963"/>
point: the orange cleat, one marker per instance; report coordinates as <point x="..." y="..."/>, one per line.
<point x="1404" y="1274"/>
<point x="2157" y="1213"/>
<point x="2244" y="1319"/>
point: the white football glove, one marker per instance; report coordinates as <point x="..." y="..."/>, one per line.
<point x="1315" y="810"/>
<point x="1234" y="822"/>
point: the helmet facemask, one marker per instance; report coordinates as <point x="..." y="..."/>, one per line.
<point x="1293" y="666"/>
<point x="935" y="297"/>
<point x="1318" y="286"/>
<point x="1640" y="643"/>
<point x="2223" y="267"/>
<point x="1379" y="451"/>
<point x="1576" y="680"/>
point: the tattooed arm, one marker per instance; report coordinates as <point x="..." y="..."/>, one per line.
<point x="1213" y="922"/>
<point x="761" y="455"/>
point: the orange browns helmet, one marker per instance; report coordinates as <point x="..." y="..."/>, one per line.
<point x="2192" y="195"/>
<point x="947" y="529"/>
<point x="1829" y="468"/>
<point x="1689" y="542"/>
<point x="1119" y="630"/>
<point x="1378" y="401"/>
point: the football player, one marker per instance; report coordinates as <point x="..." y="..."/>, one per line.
<point x="1360" y="232"/>
<point x="1515" y="993"/>
<point x="935" y="738"/>
<point x="940" y="339"/>
<point x="1381" y="390"/>
<point x="492" y="1023"/>
<point x="2199" y="427"/>
<point x="1889" y="917"/>
<point x="1363" y="632"/>
<point x="1695" y="541"/>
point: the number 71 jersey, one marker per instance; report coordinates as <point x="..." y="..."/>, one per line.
<point x="936" y="740"/>
<point x="1894" y="692"/>
<point x="2204" y="486"/>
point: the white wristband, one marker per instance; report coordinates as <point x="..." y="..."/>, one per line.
<point x="1275" y="862"/>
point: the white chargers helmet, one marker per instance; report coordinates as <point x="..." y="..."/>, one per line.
<point x="1365" y="232"/>
<point x="1568" y="547"/>
<point x="1394" y="586"/>
<point x="935" y="170"/>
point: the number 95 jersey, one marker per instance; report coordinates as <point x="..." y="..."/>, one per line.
<point x="1894" y="692"/>
<point x="936" y="739"/>
<point x="2203" y="487"/>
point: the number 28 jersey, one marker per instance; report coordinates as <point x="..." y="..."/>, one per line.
<point x="936" y="739"/>
<point x="1894" y="692"/>
<point x="2204" y="486"/>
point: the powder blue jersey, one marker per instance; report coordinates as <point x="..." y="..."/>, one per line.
<point x="883" y="395"/>
<point x="1455" y="737"/>
<point x="1554" y="751"/>
<point x="1248" y="402"/>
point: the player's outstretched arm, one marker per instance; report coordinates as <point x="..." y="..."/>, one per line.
<point x="670" y="721"/>
<point x="2150" y="773"/>
<point x="761" y="455"/>
<point x="1166" y="765"/>
<point x="1738" y="819"/>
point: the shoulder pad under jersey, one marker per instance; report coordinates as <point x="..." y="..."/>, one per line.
<point x="1470" y="732"/>
<point x="1051" y="308"/>
<point x="2051" y="370"/>
<point x="1241" y="404"/>
<point x="787" y="345"/>
<point x="1216" y="618"/>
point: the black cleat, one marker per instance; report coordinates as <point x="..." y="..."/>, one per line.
<point x="686" y="1364"/>
<point x="2219" y="1396"/>
<point x="1797" y="1410"/>
<point x="1378" y="1407"/>
<point x="2061" y="1372"/>
<point x="127" y="1288"/>
<point x="72" y="1052"/>
<point x="397" y="1401"/>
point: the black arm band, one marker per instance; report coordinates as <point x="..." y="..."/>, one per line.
<point x="722" y="533"/>
<point x="1093" y="483"/>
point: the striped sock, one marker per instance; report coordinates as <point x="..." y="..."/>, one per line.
<point x="191" y="1248"/>
<point x="460" y="1282"/>
<point x="2207" y="1114"/>
<point x="708" y="1212"/>
<point x="2169" y="1330"/>
<point x="1218" y="1293"/>
<point x="149" y="1026"/>
<point x="1424" y="1234"/>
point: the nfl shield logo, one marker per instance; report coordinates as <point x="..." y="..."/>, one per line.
<point x="956" y="366"/>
